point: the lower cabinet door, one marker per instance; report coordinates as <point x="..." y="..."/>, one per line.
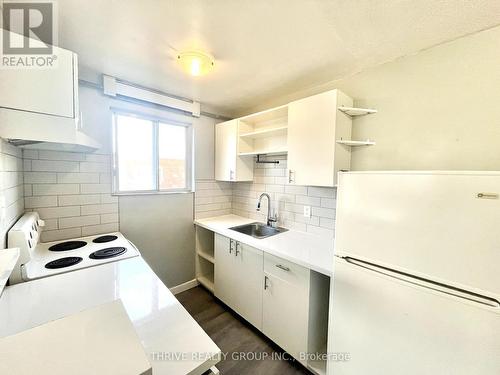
<point x="224" y="272"/>
<point x="285" y="314"/>
<point x="249" y="267"/>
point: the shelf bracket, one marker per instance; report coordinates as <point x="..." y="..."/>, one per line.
<point x="258" y="161"/>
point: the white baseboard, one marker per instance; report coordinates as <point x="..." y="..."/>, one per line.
<point x="184" y="286"/>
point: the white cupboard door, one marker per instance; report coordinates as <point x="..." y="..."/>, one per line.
<point x="224" y="270"/>
<point x="311" y="140"/>
<point x="49" y="91"/>
<point x="225" y="150"/>
<point x="285" y="314"/>
<point x="249" y="284"/>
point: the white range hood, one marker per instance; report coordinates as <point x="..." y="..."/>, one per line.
<point x="39" y="104"/>
<point x="35" y="130"/>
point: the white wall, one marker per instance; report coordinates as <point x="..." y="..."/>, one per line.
<point x="438" y="109"/>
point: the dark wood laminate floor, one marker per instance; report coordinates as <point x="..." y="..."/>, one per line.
<point x="233" y="336"/>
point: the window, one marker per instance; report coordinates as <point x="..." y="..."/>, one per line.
<point x="151" y="155"/>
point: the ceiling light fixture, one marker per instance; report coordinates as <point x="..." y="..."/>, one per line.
<point x="196" y="63"/>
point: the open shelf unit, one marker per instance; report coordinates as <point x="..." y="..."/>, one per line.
<point x="355" y="143"/>
<point x="207" y="282"/>
<point x="262" y="152"/>
<point x="205" y="259"/>
<point x="263" y="132"/>
<point x="352" y="111"/>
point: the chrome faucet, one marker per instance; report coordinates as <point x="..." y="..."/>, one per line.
<point x="271" y="220"/>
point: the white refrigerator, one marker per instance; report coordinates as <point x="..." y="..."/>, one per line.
<point x="416" y="285"/>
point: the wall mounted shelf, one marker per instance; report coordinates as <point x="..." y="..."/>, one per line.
<point x="265" y="133"/>
<point x="207" y="257"/>
<point x="352" y="111"/>
<point x="356" y="143"/>
<point x="264" y="152"/>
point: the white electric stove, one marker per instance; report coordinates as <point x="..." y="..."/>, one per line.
<point x="39" y="260"/>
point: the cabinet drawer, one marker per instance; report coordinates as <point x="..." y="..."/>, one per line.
<point x="285" y="270"/>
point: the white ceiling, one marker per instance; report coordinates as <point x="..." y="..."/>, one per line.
<point x="263" y="48"/>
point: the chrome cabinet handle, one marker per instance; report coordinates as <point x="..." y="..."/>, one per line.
<point x="230" y="246"/>
<point x="231" y="174"/>
<point x="237" y="251"/>
<point x="487" y="195"/>
<point x="290" y="179"/>
<point x="265" y="282"/>
<point x="283" y="267"/>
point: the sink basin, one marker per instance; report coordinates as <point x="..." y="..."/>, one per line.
<point x="258" y="230"/>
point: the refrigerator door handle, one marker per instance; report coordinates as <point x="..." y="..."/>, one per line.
<point x="426" y="283"/>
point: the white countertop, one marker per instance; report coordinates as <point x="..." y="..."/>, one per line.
<point x="173" y="341"/>
<point x="8" y="260"/>
<point x="306" y="249"/>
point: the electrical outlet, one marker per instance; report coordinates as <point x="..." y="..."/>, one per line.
<point x="307" y="211"/>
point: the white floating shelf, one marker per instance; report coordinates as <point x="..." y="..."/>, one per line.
<point x="356" y="143"/>
<point x="264" y="133"/>
<point x="207" y="257"/>
<point x="264" y="152"/>
<point x="351" y="111"/>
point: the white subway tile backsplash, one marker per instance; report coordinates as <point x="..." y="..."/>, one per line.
<point x="95" y="188"/>
<point x="287" y="200"/>
<point x="41" y="201"/>
<point x="50" y="224"/>
<point x="109" y="218"/>
<point x="100" y="209"/>
<point x="296" y="190"/>
<point x="30" y="154"/>
<point x="322" y="192"/>
<point x="98" y="158"/>
<point x="308" y="201"/>
<point x="55" y="189"/>
<point x="106" y="198"/>
<point x="323" y="212"/>
<point x="58" y="212"/>
<point x="61" y="234"/>
<point x="101" y="228"/>
<point x="60" y="155"/>
<point x="70" y="190"/>
<point x="54" y="166"/>
<point x="40" y="178"/>
<point x="328" y="202"/>
<point x="212" y="198"/>
<point x="79" y="200"/>
<point x="77" y="178"/>
<point x="94" y="167"/>
<point x="79" y="221"/>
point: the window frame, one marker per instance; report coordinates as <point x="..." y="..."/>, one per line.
<point x="156" y="121"/>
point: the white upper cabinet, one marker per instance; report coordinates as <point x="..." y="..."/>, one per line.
<point x="314" y="126"/>
<point x="229" y="166"/>
<point x="50" y="91"/>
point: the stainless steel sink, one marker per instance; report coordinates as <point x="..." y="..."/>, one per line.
<point x="258" y="230"/>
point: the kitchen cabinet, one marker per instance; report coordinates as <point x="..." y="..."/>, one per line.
<point x="286" y="304"/>
<point x="229" y="166"/>
<point x="314" y="126"/>
<point x="285" y="301"/>
<point x="239" y="278"/>
<point x="50" y="91"/>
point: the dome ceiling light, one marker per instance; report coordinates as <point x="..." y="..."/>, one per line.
<point x="196" y="63"/>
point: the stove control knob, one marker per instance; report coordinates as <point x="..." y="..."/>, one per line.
<point x="40" y="223"/>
